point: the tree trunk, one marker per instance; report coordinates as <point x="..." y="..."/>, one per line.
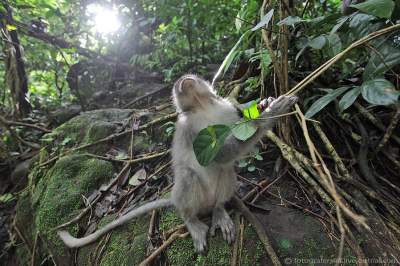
<point x="16" y="78"/>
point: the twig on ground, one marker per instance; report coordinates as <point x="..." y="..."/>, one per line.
<point x="16" y="137"/>
<point x="22" y="238"/>
<point x="377" y="123"/>
<point x="172" y="238"/>
<point x="259" y="229"/>
<point x="110" y="137"/>
<point x="88" y="208"/>
<point x="17" y="123"/>
<point x="267" y="187"/>
<point x="34" y="249"/>
<point x="297" y="206"/>
<point x="389" y="130"/>
<point x="235" y="249"/>
<point x="289" y="154"/>
<point x="133" y="160"/>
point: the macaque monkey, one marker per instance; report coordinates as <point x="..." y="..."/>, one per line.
<point x="200" y="190"/>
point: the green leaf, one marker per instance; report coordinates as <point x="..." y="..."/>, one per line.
<point x="264" y="20"/>
<point x="335" y="44"/>
<point x="208" y="142"/>
<point x="378" y="64"/>
<point x="291" y="21"/>
<point x="239" y="20"/>
<point x="379" y="92"/>
<point x="317" y="43"/>
<point x="65" y="141"/>
<point x="243" y="130"/>
<point x="250" y="110"/>
<point x="251" y="168"/>
<point x="11" y="27"/>
<point x="319" y="104"/>
<point x="6" y="198"/>
<point x="258" y="157"/>
<point x="378" y="8"/>
<point x="121" y="155"/>
<point x="243" y="163"/>
<point x="230" y="56"/>
<point x="138" y="177"/>
<point x="339" y="24"/>
<point x="349" y="98"/>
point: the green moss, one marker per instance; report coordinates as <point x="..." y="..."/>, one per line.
<point x="86" y="128"/>
<point x="141" y="141"/>
<point x="253" y="250"/>
<point x="181" y="252"/>
<point x="126" y="246"/>
<point x="169" y="219"/>
<point x="22" y="255"/>
<point x="58" y="194"/>
<point x="219" y="252"/>
<point x="43" y="154"/>
<point x="24" y="215"/>
<point x="98" y="130"/>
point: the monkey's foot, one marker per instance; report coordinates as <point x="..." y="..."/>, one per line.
<point x="222" y="220"/>
<point x="198" y="230"/>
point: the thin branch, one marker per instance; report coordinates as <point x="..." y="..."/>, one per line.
<point x="259" y="229"/>
<point x="164" y="245"/>
<point x="88" y="208"/>
<point x="111" y="137"/>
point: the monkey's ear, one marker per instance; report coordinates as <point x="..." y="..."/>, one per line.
<point x="187" y="84"/>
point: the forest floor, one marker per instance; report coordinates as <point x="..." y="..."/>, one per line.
<point x="299" y="235"/>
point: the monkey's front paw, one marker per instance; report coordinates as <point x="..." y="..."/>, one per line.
<point x="282" y="104"/>
<point x="222" y="220"/>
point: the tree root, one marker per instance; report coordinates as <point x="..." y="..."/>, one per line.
<point x="259" y="229"/>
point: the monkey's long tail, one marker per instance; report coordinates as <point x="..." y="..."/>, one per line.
<point x="73" y="242"/>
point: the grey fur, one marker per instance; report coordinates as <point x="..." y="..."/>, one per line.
<point x="197" y="189"/>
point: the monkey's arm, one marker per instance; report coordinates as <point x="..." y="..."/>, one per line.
<point x="234" y="148"/>
<point x="73" y="242"/>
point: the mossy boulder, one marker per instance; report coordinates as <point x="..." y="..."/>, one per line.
<point x="87" y="128"/>
<point x="126" y="245"/>
<point x="55" y="191"/>
<point x="56" y="197"/>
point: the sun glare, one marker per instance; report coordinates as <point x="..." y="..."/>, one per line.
<point x="104" y="20"/>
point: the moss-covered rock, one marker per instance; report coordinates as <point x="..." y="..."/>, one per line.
<point x="87" y="128"/>
<point x="181" y="252"/>
<point x="126" y="245"/>
<point x="56" y="196"/>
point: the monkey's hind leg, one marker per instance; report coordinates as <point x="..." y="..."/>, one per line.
<point x="221" y="219"/>
<point x="198" y="230"/>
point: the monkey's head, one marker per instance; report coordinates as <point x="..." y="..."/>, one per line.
<point x="191" y="93"/>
